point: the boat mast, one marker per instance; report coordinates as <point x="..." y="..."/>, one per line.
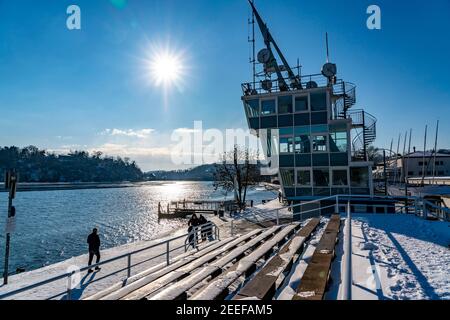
<point x="435" y="151"/>
<point x="423" y="161"/>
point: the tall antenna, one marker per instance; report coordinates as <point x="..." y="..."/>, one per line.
<point x="270" y="41"/>
<point x="328" y="51"/>
<point x="252" y="41"/>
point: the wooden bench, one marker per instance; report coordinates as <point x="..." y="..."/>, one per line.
<point x="139" y="280"/>
<point x="314" y="282"/>
<point x="177" y="261"/>
<point x="264" y="285"/>
<point x="178" y="290"/>
<point x="219" y="287"/>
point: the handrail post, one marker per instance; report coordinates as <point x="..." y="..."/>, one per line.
<point x="69" y="286"/>
<point x="129" y="266"/>
<point x="425" y="210"/>
<point x="337" y="205"/>
<point x="196" y="238"/>
<point x="348" y="281"/>
<point x="168" y="252"/>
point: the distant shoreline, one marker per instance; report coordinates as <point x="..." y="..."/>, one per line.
<point x="27" y="187"/>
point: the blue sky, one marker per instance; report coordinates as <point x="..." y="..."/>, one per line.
<point x="63" y="90"/>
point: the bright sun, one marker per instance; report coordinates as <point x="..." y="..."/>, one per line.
<point x="166" y="69"/>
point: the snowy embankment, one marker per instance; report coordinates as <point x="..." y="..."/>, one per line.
<point x="266" y="211"/>
<point x="90" y="284"/>
<point x="397" y="257"/>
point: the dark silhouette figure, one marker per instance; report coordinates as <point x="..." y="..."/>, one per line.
<point x="193" y="221"/>
<point x="202" y="220"/>
<point x="191" y="236"/>
<point x="280" y="196"/>
<point x="93" y="241"/>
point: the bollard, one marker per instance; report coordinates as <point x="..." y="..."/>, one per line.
<point x="69" y="286"/>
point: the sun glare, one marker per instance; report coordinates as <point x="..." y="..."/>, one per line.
<point x="166" y="69"/>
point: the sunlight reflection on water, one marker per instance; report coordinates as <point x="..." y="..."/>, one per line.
<point x="53" y="225"/>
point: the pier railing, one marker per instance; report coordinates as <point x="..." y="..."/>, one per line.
<point x="338" y="204"/>
<point x="203" y="233"/>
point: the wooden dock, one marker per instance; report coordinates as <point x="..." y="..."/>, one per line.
<point x="183" y="209"/>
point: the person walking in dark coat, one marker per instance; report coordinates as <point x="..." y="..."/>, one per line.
<point x="280" y="196"/>
<point x="191" y="236"/>
<point x="201" y="221"/>
<point x="93" y="241"/>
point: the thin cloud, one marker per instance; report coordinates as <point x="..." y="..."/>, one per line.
<point x="141" y="134"/>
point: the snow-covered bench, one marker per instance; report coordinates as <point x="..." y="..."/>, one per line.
<point x="179" y="289"/>
<point x="219" y="287"/>
<point x="314" y="282"/>
<point x="264" y="285"/>
<point x="151" y="285"/>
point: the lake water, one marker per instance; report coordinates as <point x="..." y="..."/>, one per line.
<point x="52" y="226"/>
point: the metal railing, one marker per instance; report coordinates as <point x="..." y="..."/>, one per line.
<point x="199" y="234"/>
<point x="306" y="81"/>
<point x="209" y="227"/>
<point x="418" y="206"/>
<point x="348" y="274"/>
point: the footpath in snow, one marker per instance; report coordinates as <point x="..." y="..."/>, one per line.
<point x="396" y="257"/>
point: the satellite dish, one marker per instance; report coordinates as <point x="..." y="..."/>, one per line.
<point x="329" y="70"/>
<point x="311" y="85"/>
<point x="264" y="56"/>
<point x="266" y="85"/>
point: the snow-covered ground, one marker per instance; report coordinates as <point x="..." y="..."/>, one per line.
<point x="396" y="257"/>
<point x="90" y="284"/>
<point x="266" y="211"/>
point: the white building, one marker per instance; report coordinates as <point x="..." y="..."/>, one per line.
<point x="419" y="164"/>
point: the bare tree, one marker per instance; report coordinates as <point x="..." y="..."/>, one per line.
<point x="236" y="173"/>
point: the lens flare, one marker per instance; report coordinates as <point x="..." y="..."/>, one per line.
<point x="166" y="69"/>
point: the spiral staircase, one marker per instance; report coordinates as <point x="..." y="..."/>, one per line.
<point x="363" y="123"/>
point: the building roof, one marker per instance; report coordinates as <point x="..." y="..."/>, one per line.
<point x="428" y="154"/>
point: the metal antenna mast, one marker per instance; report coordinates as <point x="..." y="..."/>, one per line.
<point x="269" y="40"/>
<point x="252" y="40"/>
<point x="328" y="51"/>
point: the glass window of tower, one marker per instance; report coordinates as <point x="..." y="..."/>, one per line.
<point x="268" y="107"/>
<point x="286" y="145"/>
<point x="304" y="177"/>
<point x="284" y="104"/>
<point x="320" y="143"/>
<point x="340" y="178"/>
<point x="318" y="101"/>
<point x="301" y="104"/>
<point x="359" y="177"/>
<point x="302" y="144"/>
<point x="338" y="139"/>
<point x="321" y="177"/>
<point x="287" y="176"/>
<point x="252" y="108"/>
